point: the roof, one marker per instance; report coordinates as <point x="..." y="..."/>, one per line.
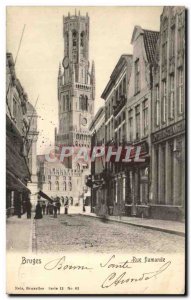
<point x="150" y="42"/>
<point x="124" y="60"/>
<point x="150" y="38"/>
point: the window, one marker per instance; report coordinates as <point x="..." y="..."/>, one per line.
<point x="157" y="105"/>
<point x="164" y="53"/>
<point x="130" y="117"/>
<point x="124" y="86"/>
<point x="163" y="104"/>
<point x="49" y="177"/>
<point x="180" y="91"/>
<point x="67" y="40"/>
<point x="57" y="185"/>
<point x="117" y="95"/>
<point x="124" y="132"/>
<point x="171" y="102"/>
<point x="145" y="117"/>
<point x="120" y="139"/>
<point x="164" y="41"/>
<point x="14" y="108"/>
<point x="137" y="116"/>
<point x="74" y="38"/>
<point x="63" y="103"/>
<point x="69" y="186"/>
<point x="82" y="39"/>
<point x="172" y="41"/>
<point x="64" y="186"/>
<point x="120" y="91"/>
<point x="49" y="185"/>
<point x="83" y="103"/>
<point x="137" y="76"/>
<point x="78" y="167"/>
<point x="181" y="32"/>
<point x="67" y="103"/>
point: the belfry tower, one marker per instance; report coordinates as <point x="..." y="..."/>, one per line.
<point x="76" y="85"/>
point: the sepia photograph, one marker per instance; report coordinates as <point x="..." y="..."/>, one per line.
<point x="95" y="150"/>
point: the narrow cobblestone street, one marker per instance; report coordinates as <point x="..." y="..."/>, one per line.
<point x="80" y="233"/>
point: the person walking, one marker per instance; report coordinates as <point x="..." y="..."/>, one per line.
<point x="66" y="206"/>
<point x="55" y="209"/>
<point x="38" y="212"/>
<point x="47" y="208"/>
<point x="28" y="209"/>
<point x="84" y="207"/>
<point x="43" y="207"/>
<point x="58" y="204"/>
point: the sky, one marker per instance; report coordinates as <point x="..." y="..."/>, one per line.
<point x="42" y="48"/>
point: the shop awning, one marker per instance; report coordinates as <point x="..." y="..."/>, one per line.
<point x="15" y="162"/>
<point x="15" y="184"/>
<point x="45" y="196"/>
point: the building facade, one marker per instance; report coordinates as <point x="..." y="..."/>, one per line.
<point x="55" y="180"/>
<point x="128" y="97"/>
<point x="18" y="172"/>
<point x="168" y="123"/>
<point x="138" y="112"/>
<point x="116" y="98"/>
<point x="32" y="136"/>
<point x="97" y="130"/>
<point x="76" y="93"/>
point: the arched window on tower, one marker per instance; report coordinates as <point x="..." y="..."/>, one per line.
<point x="82" y="37"/>
<point x="83" y="103"/>
<point x="86" y="103"/>
<point x="67" y="40"/>
<point x="74" y="38"/>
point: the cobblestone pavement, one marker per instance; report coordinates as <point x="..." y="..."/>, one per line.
<point x="79" y="233"/>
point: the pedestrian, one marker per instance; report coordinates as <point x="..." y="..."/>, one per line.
<point x="28" y="209"/>
<point x="43" y="207"/>
<point x="66" y="206"/>
<point x="47" y="208"/>
<point x="55" y="209"/>
<point x="58" y="204"/>
<point x="51" y="208"/>
<point x="84" y="208"/>
<point x="38" y="212"/>
<point x="19" y="208"/>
